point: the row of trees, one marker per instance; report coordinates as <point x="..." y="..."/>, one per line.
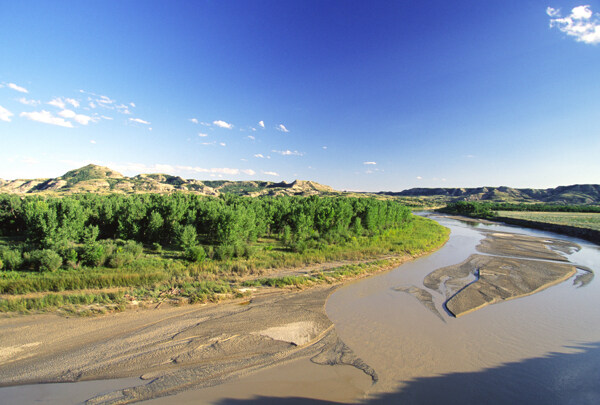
<point x="187" y="221"/>
<point x="481" y="209"/>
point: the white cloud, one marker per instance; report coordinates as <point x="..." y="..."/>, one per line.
<point x="23" y="100"/>
<point x="132" y="104"/>
<point x="206" y="124"/>
<point x="324" y="147"/>
<point x="582" y="23"/>
<point x="5" y="114"/>
<point x="46" y="117"/>
<point x="222" y="144"/>
<point x="223" y="124"/>
<point x="270" y="173"/>
<point x="73" y="102"/>
<point x="216" y="170"/>
<point x="79" y="118"/>
<point x="282" y="128"/>
<point x="194" y="120"/>
<point x="106" y="118"/>
<point x="105" y="100"/>
<point x="288" y="152"/>
<point x="29" y="160"/>
<point x="93" y="142"/>
<point x="200" y="134"/>
<point x="369" y="163"/>
<point x="92" y="105"/>
<point x="17" y="88"/>
<point x="58" y="102"/>
<point x="419" y="178"/>
<point x="209" y="143"/>
<point x="261" y="124"/>
<point x="251" y="137"/>
<point x="259" y="155"/>
<point x="139" y="121"/>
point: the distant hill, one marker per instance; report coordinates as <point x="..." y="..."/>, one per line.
<point x="103" y="180"/>
<point x="99" y="179"/>
<point x="575" y="194"/>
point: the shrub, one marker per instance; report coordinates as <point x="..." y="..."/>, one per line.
<point x="93" y="254"/>
<point x="1" y="264"/>
<point x="134" y="248"/>
<point x="12" y="259"/>
<point x="195" y="254"/>
<point x="224" y="252"/>
<point x="49" y="260"/>
<point x="44" y="260"/>
<point x="157" y="247"/>
<point x="120" y="259"/>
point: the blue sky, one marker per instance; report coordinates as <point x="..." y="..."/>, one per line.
<point x="378" y="95"/>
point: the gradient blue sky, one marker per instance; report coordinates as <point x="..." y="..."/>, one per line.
<point x="359" y="95"/>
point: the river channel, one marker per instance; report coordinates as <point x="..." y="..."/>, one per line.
<point x="539" y="349"/>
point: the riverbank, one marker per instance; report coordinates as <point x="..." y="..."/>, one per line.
<point x="591" y="235"/>
<point x="273" y="321"/>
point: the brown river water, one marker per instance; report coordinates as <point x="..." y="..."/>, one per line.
<point x="539" y="349"/>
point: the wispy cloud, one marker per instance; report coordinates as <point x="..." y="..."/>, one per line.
<point x="73" y="102"/>
<point x="105" y="100"/>
<point x="79" y="118"/>
<point x="217" y="170"/>
<point x="17" y="88"/>
<point x="200" y="134"/>
<point x="261" y="124"/>
<point x="57" y="102"/>
<point x="223" y="124"/>
<point x="5" y="114"/>
<point x="222" y="144"/>
<point x="270" y="173"/>
<point x="46" y="117"/>
<point x="194" y="120"/>
<point x="23" y="100"/>
<point x="93" y="142"/>
<point x="252" y="137"/>
<point x="139" y="121"/>
<point x="582" y="23"/>
<point x="288" y="152"/>
<point x="282" y="128"/>
<point x="369" y="163"/>
<point x="419" y="178"/>
<point x="259" y="155"/>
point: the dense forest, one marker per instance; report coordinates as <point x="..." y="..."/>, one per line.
<point x="46" y="233"/>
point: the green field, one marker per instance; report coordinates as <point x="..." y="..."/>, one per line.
<point x="576" y="219"/>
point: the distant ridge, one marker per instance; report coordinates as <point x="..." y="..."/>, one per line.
<point x="575" y="194"/>
<point x="103" y="180"/>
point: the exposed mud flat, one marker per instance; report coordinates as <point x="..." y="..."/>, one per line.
<point x="174" y="349"/>
<point x="506" y="272"/>
<point x="500" y="279"/>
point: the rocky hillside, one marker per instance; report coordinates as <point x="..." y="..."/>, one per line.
<point x="99" y="179"/>
<point x="575" y="194"/>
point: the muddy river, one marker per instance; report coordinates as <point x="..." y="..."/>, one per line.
<point x="539" y="349"/>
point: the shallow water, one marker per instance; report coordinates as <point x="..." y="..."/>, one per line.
<point x="524" y="350"/>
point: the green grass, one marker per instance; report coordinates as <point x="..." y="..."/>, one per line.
<point x="575" y="219"/>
